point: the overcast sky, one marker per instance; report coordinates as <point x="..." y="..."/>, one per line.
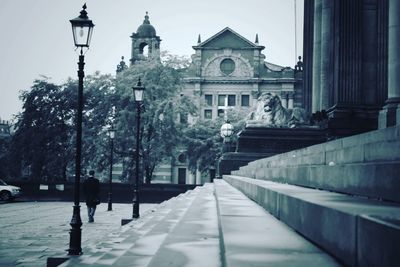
<point x="37" y="37"/>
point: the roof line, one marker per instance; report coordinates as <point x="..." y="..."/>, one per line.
<point x="228" y="29"/>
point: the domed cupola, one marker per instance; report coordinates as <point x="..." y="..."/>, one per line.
<point x="146" y="29"/>
<point x="145" y="42"/>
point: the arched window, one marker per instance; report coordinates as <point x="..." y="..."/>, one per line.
<point x="144" y="49"/>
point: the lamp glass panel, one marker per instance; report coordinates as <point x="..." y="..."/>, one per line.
<point x="138" y="95"/>
<point x="226" y="130"/>
<point x="81" y="35"/>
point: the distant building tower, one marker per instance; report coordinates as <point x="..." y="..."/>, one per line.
<point x="121" y="66"/>
<point x="145" y="42"/>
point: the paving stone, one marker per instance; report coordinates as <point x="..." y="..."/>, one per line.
<point x="33" y="231"/>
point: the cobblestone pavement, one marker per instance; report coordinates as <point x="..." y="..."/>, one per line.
<point x="30" y="232"/>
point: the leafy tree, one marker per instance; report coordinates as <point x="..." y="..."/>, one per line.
<point x="204" y="143"/>
<point x="43" y="132"/>
<point x="45" y="136"/>
<point x="161" y="129"/>
<point x="99" y="95"/>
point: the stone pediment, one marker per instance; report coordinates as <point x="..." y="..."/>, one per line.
<point x="227" y="38"/>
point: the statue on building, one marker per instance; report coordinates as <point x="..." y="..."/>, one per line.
<point x="271" y="113"/>
<point x="299" y="65"/>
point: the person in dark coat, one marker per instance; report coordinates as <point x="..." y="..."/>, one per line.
<point x="91" y="188"/>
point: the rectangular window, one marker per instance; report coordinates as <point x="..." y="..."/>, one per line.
<point x="231" y="100"/>
<point x="221" y="113"/>
<point x="208" y="114"/>
<point x="245" y="100"/>
<point x="221" y="100"/>
<point x="208" y="100"/>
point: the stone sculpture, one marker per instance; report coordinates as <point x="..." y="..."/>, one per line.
<point x="270" y="113"/>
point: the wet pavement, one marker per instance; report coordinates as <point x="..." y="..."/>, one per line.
<point x="30" y="232"/>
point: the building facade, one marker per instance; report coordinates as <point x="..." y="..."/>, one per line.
<point x="227" y="71"/>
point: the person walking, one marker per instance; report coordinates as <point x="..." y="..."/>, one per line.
<point x="91" y="188"/>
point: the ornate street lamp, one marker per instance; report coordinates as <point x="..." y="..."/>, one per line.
<point x="226" y="134"/>
<point x="138" y="93"/>
<point x="82" y="28"/>
<point x="111" y="134"/>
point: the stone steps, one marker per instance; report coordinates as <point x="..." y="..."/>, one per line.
<point x="356" y="230"/>
<point x="364" y="165"/>
<point x="213" y="225"/>
<point x="140" y="236"/>
<point x="253" y="237"/>
<point x="195" y="239"/>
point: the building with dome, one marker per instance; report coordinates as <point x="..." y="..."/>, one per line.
<point x="145" y="42"/>
<point x="227" y="71"/>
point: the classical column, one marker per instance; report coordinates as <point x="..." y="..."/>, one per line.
<point x="308" y="33"/>
<point x="198" y="177"/>
<point x="369" y="52"/>
<point x="390" y="115"/>
<point x="327" y="41"/>
<point x="290" y="100"/>
<point x="283" y="99"/>
<point x="316" y="74"/>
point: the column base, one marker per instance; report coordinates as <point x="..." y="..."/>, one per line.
<point x="348" y="119"/>
<point x="390" y="113"/>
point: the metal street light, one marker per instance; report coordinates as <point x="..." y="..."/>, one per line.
<point x="138" y="93"/>
<point x="111" y="134"/>
<point x="82" y="28"/>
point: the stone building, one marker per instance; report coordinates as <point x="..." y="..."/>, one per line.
<point x="227" y="72"/>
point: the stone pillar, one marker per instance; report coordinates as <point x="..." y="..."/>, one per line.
<point x="369" y="52"/>
<point x="283" y="99"/>
<point x="290" y="100"/>
<point x="327" y="41"/>
<point x="198" y="177"/>
<point x="390" y="115"/>
<point x="316" y="74"/>
<point x="308" y="41"/>
<point x="382" y="56"/>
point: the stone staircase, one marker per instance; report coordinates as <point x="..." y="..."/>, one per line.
<point x="333" y="204"/>
<point x="342" y="195"/>
<point x="212" y="225"/>
<point x="139" y="241"/>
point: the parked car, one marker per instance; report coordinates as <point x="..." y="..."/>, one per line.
<point x="8" y="192"/>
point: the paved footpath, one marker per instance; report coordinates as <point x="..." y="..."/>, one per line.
<point x="30" y="232"/>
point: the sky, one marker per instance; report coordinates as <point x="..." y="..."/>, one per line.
<point x="37" y="37"/>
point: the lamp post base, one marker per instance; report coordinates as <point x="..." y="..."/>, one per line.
<point x="135" y="213"/>
<point x="135" y="202"/>
<point x="109" y="202"/>
<point x="75" y="233"/>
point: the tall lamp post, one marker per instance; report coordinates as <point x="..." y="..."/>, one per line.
<point x="111" y="134"/>
<point x="82" y="28"/>
<point x="138" y="93"/>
